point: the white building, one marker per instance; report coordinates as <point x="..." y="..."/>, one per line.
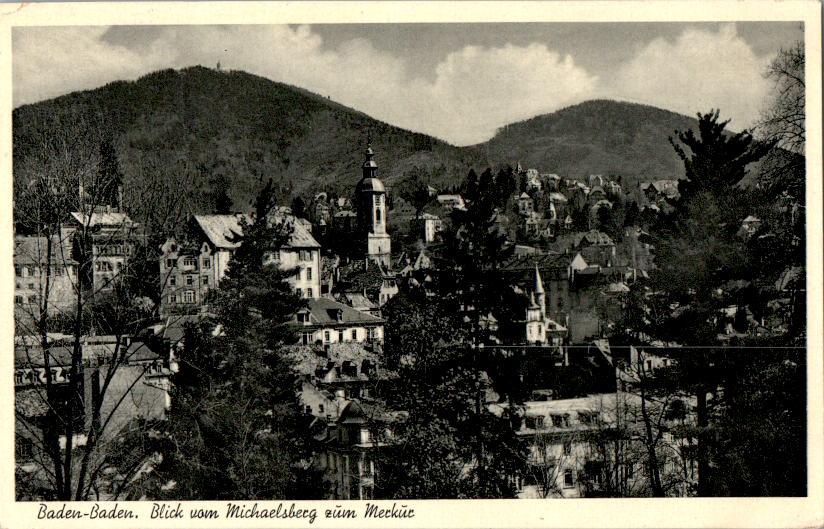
<point x="371" y="199"/>
<point x="189" y="269"/>
<point x="326" y="321"/>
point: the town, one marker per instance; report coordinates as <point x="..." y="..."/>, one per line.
<point x="566" y="260"/>
<point x="230" y="288"/>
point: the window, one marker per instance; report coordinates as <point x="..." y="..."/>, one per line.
<point x="309" y="273"/>
<point x="204" y="280"/>
<point x="340" y="336"/>
<point x="31" y="286"/>
<point x="354" y="334"/>
<point x="18" y="271"/>
<point x="567" y="448"/>
<point x="320" y="408"/>
<point x="171" y="263"/>
<point x="587" y="417"/>
<point x="299" y="292"/>
<point x="326" y="336"/>
<point x="173" y="281"/>
<point x="569" y="479"/>
<point x="189" y="262"/>
<point x="309" y="293"/>
<point x="119" y="266"/>
<point x="189" y="296"/>
<point x="308" y="410"/>
<point x="190" y="280"/>
<point x="18" y="300"/>
<point x="377" y="214"/>
<point x="173" y="298"/>
<point x="207" y="263"/>
<point x="560" y="421"/>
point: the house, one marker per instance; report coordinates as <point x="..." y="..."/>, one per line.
<point x="589" y="446"/>
<point x="43" y="271"/>
<point x="353" y="441"/>
<point x="451" y="201"/>
<point x="190" y="268"/>
<point x="432" y="224"/>
<point x="659" y="191"/>
<point x="525" y="204"/>
<point x="107" y="239"/>
<point x="326" y="321"/>
<point x="138" y="387"/>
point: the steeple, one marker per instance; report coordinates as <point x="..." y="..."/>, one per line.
<point x="370" y="195"/>
<point x="370" y="167"/>
<point x="540" y="294"/>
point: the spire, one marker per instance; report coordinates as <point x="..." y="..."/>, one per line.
<point x="539" y="284"/>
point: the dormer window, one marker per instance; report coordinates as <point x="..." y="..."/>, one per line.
<point x="339" y="315"/>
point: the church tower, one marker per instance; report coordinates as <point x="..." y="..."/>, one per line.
<point x="371" y="201"/>
<point x="540" y="294"/>
<point x="535" y="322"/>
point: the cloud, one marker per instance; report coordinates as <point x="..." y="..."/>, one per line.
<point x="475" y="89"/>
<point x="699" y="70"/>
<point x="472" y="91"/>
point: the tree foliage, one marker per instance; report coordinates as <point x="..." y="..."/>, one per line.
<point x="235" y="429"/>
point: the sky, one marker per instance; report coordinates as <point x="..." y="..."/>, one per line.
<point x="458" y="82"/>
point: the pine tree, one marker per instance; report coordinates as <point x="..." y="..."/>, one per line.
<point x="235" y="429"/>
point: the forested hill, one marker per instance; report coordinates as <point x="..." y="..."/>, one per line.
<point x="599" y="136"/>
<point x="208" y="129"/>
<point x="234" y="127"/>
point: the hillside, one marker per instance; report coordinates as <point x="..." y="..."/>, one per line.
<point x="602" y="137"/>
<point x="233" y="126"/>
<point x="207" y="129"/>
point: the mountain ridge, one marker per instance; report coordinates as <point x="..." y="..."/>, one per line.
<point x="231" y="128"/>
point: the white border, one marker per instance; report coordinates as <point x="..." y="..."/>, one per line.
<point x="691" y="512"/>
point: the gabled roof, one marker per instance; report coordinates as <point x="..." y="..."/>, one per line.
<point x="103" y="219"/>
<point x="224" y="231"/>
<point x="324" y="311"/>
<point x="593" y="237"/>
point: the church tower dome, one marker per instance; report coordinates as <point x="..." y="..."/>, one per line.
<point x="370" y="195"/>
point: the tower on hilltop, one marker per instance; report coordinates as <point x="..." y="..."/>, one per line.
<point x="371" y="201"/>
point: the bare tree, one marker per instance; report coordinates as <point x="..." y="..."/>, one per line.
<point x="75" y="391"/>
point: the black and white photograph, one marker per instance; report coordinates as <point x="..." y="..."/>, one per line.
<point x="391" y="261"/>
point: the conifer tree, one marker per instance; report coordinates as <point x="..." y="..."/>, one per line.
<point x="235" y="429"/>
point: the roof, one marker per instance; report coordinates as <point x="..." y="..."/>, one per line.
<point x="593" y="237"/>
<point x="103" y="219"/>
<point x="324" y="311"/>
<point x="558" y="197"/>
<point x="224" y="231"/>
<point x="528" y="262"/>
<point x="61" y="354"/>
<point x="33" y="250"/>
<point x="370" y="185"/>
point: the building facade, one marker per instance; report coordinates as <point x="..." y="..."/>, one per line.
<point x="190" y="268"/>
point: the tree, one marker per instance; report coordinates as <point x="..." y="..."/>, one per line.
<point x="414" y="188"/>
<point x="68" y="420"/>
<point x="433" y="453"/>
<point x="704" y="266"/>
<point x="783" y="121"/>
<point x="235" y="429"/>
